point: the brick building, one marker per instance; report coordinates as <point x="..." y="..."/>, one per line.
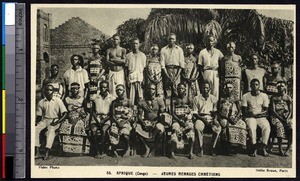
<point x="72" y="37"/>
<point x="44" y="24"/>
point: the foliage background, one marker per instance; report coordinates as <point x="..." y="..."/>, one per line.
<point x="271" y="38"/>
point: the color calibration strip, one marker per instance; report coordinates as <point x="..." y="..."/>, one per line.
<point x="20" y="93"/>
<point x="8" y="89"/>
<point x="3" y="136"/>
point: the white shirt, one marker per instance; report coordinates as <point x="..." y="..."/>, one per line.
<point x="103" y="104"/>
<point x="80" y="76"/>
<point x="172" y="56"/>
<point x="206" y="106"/>
<point x="254" y="104"/>
<point x="50" y="109"/>
<point x="208" y="60"/>
<point x="136" y="64"/>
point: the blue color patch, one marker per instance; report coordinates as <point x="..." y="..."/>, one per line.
<point x="3" y="24"/>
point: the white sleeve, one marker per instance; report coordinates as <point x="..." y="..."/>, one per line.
<point x="181" y="59"/>
<point x="66" y="77"/>
<point x="39" y="110"/>
<point x="266" y="100"/>
<point x="200" y="58"/>
<point x="85" y="77"/>
<point x="162" y="58"/>
<point x="62" y="107"/>
<point x="244" y="100"/>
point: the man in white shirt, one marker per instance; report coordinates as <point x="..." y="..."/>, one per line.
<point x="77" y="74"/>
<point x="172" y="62"/>
<point x="206" y="105"/>
<point x="209" y="59"/>
<point x="50" y="112"/>
<point x="135" y="62"/>
<point x="100" y="113"/>
<point x="255" y="110"/>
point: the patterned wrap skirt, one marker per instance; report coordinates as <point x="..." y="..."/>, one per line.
<point x="73" y="136"/>
<point x="281" y="129"/>
<point x="234" y="134"/>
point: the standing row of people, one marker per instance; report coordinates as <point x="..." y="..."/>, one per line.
<point x="163" y="87"/>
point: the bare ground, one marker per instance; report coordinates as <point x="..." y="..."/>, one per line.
<point x="240" y="160"/>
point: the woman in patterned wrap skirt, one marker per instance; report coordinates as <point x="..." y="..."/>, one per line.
<point x="234" y="132"/>
<point x="72" y="131"/>
<point x="231" y="70"/>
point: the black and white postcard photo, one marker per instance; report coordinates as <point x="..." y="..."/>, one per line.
<point x="163" y="91"/>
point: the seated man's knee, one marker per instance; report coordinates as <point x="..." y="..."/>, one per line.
<point x="199" y="125"/>
<point x="176" y="126"/>
<point x="191" y="136"/>
<point x="160" y="127"/>
<point x="266" y="128"/>
<point x="38" y="129"/>
<point x="216" y="129"/>
<point x="190" y="125"/>
<point x="126" y="130"/>
<point x="51" y="129"/>
<point x="251" y="123"/>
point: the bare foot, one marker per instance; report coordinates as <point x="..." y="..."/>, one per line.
<point x="172" y="156"/>
<point x="46" y="157"/>
<point x="191" y="156"/>
<point x="200" y="154"/>
<point x="150" y="155"/>
<point x="98" y="156"/>
<point x="281" y="153"/>
<point x="287" y="153"/>
<point x="133" y="152"/>
<point x="115" y="154"/>
<point x="254" y="154"/>
<point x="127" y="153"/>
<point x="213" y="152"/>
<point x="265" y="153"/>
<point x="147" y="152"/>
<point x="38" y="155"/>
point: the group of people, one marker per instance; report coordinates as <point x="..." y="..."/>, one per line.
<point x="122" y="99"/>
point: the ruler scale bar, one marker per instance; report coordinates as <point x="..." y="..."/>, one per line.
<point x="20" y="92"/>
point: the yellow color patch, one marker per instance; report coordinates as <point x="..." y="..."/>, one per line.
<point x="3" y="112"/>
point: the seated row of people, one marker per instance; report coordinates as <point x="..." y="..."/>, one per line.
<point x="108" y="120"/>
